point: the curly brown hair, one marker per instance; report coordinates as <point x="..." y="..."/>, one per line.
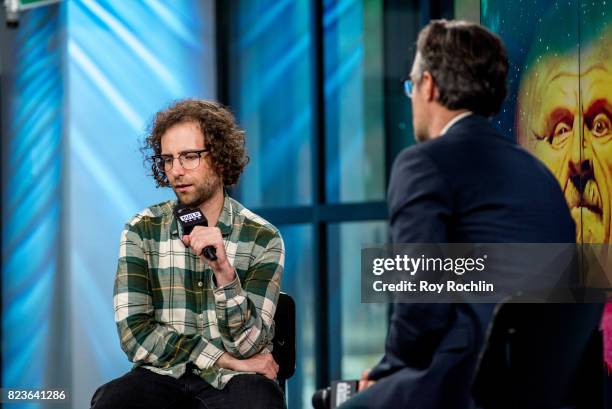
<point x="222" y="137"/>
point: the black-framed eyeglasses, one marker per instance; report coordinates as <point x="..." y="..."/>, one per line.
<point x="188" y="160"/>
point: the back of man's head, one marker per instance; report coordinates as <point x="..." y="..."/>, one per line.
<point x="468" y="63"/>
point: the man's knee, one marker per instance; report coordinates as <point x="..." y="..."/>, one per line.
<point x="111" y="395"/>
<point x="139" y="388"/>
<point x="261" y="392"/>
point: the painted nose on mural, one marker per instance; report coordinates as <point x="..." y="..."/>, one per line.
<point x="581" y="173"/>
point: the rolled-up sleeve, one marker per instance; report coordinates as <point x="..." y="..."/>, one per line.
<point x="245" y="311"/>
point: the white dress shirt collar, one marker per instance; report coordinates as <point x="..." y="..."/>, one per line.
<point x="454" y="121"/>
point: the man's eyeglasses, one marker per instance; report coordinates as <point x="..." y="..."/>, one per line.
<point x="408" y="87"/>
<point x="188" y="160"/>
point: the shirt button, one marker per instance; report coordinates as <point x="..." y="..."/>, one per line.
<point x="200" y="284"/>
<point x="202" y="316"/>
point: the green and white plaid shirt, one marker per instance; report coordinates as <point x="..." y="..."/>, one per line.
<point x="170" y="315"/>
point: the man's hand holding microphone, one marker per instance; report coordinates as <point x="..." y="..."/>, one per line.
<point x="206" y="242"/>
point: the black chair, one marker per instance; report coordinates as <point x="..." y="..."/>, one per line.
<point x="544" y="356"/>
<point x="284" y="338"/>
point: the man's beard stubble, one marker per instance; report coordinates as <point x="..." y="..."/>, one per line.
<point x="201" y="193"/>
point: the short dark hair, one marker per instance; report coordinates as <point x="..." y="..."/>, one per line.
<point x="468" y="63"/>
<point x="222" y="137"/>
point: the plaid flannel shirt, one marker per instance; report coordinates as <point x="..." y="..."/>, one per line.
<point x="170" y="315"/>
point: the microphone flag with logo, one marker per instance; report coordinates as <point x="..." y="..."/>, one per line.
<point x="189" y="218"/>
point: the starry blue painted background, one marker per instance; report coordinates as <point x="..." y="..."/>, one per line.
<point x="531" y="29"/>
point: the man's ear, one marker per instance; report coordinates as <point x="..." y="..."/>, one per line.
<point x="427" y="82"/>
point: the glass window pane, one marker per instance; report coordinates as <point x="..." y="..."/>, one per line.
<point x="354" y="100"/>
<point x="363" y="327"/>
<point x="298" y="281"/>
<point x="270" y="92"/>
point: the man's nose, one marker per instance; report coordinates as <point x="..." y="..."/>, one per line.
<point x="581" y="162"/>
<point x="177" y="168"/>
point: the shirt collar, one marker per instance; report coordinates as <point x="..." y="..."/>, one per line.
<point x="225" y="222"/>
<point x="454" y="121"/>
<point x="226" y="218"/>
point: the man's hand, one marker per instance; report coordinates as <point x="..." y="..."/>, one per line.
<point x="202" y="237"/>
<point x="364" y="381"/>
<point x="262" y="363"/>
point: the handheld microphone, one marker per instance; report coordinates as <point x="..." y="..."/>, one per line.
<point x="321" y="398"/>
<point x="335" y="395"/>
<point x="189" y="218"/>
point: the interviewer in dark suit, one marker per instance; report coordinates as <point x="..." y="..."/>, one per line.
<point x="464" y="183"/>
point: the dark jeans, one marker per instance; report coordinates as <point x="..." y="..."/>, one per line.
<point x="141" y="388"/>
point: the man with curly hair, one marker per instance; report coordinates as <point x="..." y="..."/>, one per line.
<point x="199" y="331"/>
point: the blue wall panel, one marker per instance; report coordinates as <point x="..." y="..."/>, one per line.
<point x="31" y="204"/>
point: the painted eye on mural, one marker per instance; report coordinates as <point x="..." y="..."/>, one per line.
<point x="601" y="125"/>
<point x="560" y="135"/>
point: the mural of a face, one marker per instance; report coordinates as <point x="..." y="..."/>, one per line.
<point x="564" y="117"/>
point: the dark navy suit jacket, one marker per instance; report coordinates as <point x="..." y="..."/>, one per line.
<point x="471" y="185"/>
